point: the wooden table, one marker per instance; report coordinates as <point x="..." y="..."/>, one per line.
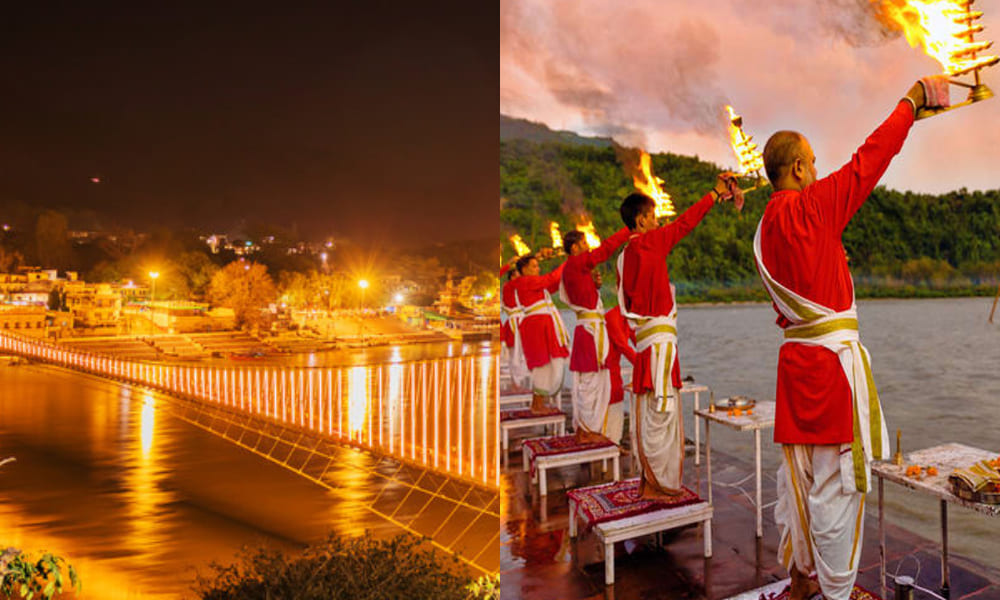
<point x="627" y="528"/>
<point x="509" y="400"/>
<point x="558" y="420"/>
<point x="946" y="458"/>
<point x="569" y="458"/>
<point x="762" y="418"/>
<point x="690" y="387"/>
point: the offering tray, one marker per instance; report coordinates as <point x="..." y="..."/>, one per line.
<point x="741" y="402"/>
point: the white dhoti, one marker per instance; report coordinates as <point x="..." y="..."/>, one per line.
<point x="660" y="439"/>
<point x="659" y="423"/>
<point x="591" y="395"/>
<point x="616" y="422"/>
<point x="547" y="379"/>
<point x="821" y="489"/>
<point x="821" y="522"/>
<point x="520" y="376"/>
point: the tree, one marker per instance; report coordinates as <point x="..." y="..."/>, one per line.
<point x="196" y="269"/>
<point x="52" y="240"/>
<point x="247" y="289"/>
<point x="10" y="260"/>
<point x="57" y="300"/>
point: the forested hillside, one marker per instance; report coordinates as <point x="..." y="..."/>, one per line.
<point x="899" y="244"/>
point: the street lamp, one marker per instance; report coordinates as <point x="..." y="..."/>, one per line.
<point x="363" y="284"/>
<point x="153" y="275"/>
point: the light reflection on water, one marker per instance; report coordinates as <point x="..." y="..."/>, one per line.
<point x="136" y="498"/>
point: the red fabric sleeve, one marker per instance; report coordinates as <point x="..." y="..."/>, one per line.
<point x="607" y="248"/>
<point x="505" y="268"/>
<point x="839" y="195"/>
<point x="666" y="237"/>
<point x="553" y="277"/>
<point x="537" y="283"/>
<point x="619" y="333"/>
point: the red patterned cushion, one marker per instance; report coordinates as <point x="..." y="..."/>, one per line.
<point x="562" y="444"/>
<point x="526" y="413"/>
<point x="620" y="499"/>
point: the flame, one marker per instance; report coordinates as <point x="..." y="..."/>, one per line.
<point x="557" y="241"/>
<point x="590" y="234"/>
<point x="649" y="184"/>
<point x="519" y="246"/>
<point x="944" y="30"/>
<point x="751" y="160"/>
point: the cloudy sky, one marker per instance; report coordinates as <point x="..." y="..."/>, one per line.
<point x="657" y="74"/>
<point x="367" y="120"/>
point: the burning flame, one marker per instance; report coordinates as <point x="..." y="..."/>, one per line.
<point x="649" y="184"/>
<point x="751" y="160"/>
<point x="519" y="246"/>
<point x="557" y="241"/>
<point x="590" y="234"/>
<point x="944" y="30"/>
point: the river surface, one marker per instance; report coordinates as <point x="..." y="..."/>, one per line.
<point x="139" y="500"/>
<point x="365" y="356"/>
<point x="937" y="367"/>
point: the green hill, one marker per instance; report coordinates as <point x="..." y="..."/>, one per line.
<point x="900" y="243"/>
<point x="522" y="129"/>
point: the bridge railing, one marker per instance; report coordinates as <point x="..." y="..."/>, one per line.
<point x="440" y="413"/>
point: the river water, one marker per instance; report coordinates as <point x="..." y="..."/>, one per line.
<point x="937" y="367"/>
<point x="138" y="499"/>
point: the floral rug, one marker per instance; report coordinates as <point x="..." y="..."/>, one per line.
<point x="620" y="499"/>
<point x="525" y="413"/>
<point x="561" y="444"/>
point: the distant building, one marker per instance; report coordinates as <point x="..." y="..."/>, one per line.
<point x="25" y="320"/>
<point x="93" y="305"/>
<point x="34" y="293"/>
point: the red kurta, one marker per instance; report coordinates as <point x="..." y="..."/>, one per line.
<point x="578" y="283"/>
<point x="509" y="301"/>
<point x="801" y="248"/>
<point x="646" y="282"/>
<point x="538" y="333"/>
<point x="620" y="334"/>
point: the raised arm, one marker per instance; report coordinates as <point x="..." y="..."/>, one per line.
<point x="666" y="237"/>
<point x="537" y="283"/>
<point x="839" y="195"/>
<point x="608" y="247"/>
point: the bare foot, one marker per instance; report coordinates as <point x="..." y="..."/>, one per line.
<point x="803" y="588"/>
<point x="588" y="437"/>
<point x="538" y="404"/>
<point x="649" y="492"/>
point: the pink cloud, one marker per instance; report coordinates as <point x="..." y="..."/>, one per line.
<point x="657" y="73"/>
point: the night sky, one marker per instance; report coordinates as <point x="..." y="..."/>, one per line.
<point x="375" y="121"/>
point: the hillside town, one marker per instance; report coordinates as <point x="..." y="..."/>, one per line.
<point x="222" y="300"/>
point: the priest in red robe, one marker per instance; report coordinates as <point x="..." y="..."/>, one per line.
<point x="588" y="360"/>
<point x="543" y="335"/>
<point x="646" y="298"/>
<point x="828" y="418"/>
<point x="509" y="334"/>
